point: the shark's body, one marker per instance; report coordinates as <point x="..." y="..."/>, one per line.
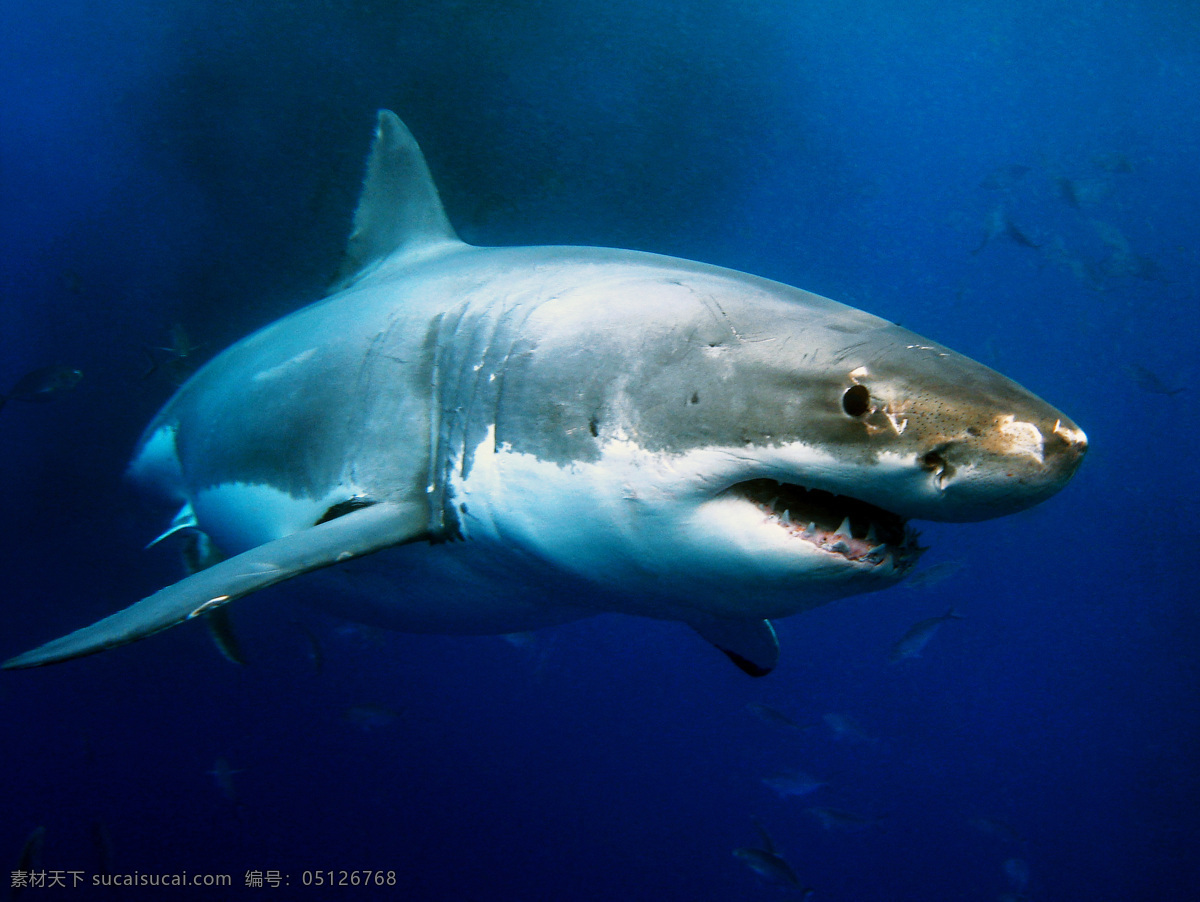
<point x="524" y="436"/>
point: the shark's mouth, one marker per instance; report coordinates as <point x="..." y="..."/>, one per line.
<point x="836" y="524"/>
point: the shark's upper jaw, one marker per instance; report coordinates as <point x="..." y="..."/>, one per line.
<point x="858" y="532"/>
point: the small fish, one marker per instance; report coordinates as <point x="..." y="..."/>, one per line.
<point x="315" y="656"/>
<point x="181" y="345"/>
<point x="362" y="636"/>
<point x="995" y="228"/>
<point x="1149" y="381"/>
<point x="997" y="828"/>
<point x="846" y="729"/>
<point x="31" y="858"/>
<point x="793" y="783"/>
<point x="222" y="775"/>
<point x="1086" y="270"/>
<point x="31" y="852"/>
<point x="1000" y="225"/>
<point x="1112" y="162"/>
<point x="773" y="717"/>
<point x="1068" y="192"/>
<point x="1123" y="261"/>
<point x="1079" y="193"/>
<point x="536" y="647"/>
<point x="527" y="639"/>
<point x="1017" y="872"/>
<point x="175" y="359"/>
<point x="103" y="846"/>
<point x="845" y="821"/>
<point x="913" y="642"/>
<point x="43" y="384"/>
<point x="768" y="864"/>
<point x="72" y="281"/>
<point x="1017" y="236"/>
<point x="993" y="347"/>
<point x="1004" y="177"/>
<point x="1132" y="265"/>
<point x="370" y="717"/>
<point x="931" y="576"/>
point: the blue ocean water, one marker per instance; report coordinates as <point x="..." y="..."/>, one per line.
<point x="1015" y="180"/>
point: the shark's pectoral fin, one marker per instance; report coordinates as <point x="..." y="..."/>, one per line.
<point x="357" y="533"/>
<point x="750" y="644"/>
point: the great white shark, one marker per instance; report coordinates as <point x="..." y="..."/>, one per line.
<point x="515" y="437"/>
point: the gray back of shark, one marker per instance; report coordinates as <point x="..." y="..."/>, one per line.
<point x="514" y="437"/>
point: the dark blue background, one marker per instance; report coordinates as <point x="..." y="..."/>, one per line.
<point x="198" y="163"/>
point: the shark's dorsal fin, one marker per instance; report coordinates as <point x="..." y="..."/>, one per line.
<point x="357" y="533"/>
<point x="399" y="212"/>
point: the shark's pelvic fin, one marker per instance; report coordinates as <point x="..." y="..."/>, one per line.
<point x="359" y="532"/>
<point x="399" y="212"/>
<point x="220" y="629"/>
<point x="750" y="644"/>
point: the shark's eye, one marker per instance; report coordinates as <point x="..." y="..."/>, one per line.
<point x="856" y="401"/>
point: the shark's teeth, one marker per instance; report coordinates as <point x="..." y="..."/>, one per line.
<point x="887" y="543"/>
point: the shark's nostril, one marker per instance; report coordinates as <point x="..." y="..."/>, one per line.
<point x="935" y="462"/>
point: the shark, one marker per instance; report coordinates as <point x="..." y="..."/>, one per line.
<point x="490" y="440"/>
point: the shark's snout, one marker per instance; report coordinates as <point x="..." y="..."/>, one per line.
<point x="1066" y="446"/>
<point x="1011" y="465"/>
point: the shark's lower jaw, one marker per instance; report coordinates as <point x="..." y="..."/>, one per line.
<point x="840" y="525"/>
